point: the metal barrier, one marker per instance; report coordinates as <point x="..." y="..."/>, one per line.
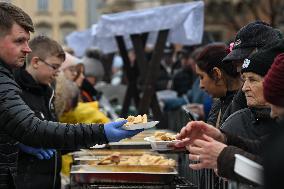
<point x="204" y="179"/>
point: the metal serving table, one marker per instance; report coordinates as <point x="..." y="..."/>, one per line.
<point x="177" y="183"/>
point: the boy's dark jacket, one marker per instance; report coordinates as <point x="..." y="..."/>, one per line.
<point x="33" y="172"/>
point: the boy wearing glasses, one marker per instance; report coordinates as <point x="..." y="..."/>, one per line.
<point x="38" y="167"/>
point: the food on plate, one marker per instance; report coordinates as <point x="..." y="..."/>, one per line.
<point x="134" y="120"/>
<point x="145" y="159"/>
<point x="164" y="136"/>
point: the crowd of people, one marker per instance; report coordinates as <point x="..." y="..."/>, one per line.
<point x="49" y="105"/>
<point x="248" y="128"/>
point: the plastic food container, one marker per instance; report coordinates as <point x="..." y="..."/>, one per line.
<point x="248" y="169"/>
<point x="159" y="145"/>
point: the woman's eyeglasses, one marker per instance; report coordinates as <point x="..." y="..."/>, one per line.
<point x="54" y="67"/>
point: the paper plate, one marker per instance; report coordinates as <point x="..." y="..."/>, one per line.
<point x="147" y="125"/>
<point x="159" y="145"/>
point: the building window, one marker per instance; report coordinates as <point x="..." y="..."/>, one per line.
<point x="66" y="29"/>
<point x="43" y="29"/>
<point x="42" y="5"/>
<point x="68" y="5"/>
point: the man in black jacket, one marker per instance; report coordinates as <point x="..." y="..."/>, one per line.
<point x="38" y="167"/>
<point x="18" y="121"/>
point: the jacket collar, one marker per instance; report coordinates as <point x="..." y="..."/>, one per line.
<point x="261" y="113"/>
<point x="4" y="68"/>
<point x="229" y="96"/>
<point x="27" y="83"/>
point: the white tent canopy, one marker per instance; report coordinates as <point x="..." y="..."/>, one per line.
<point x="185" y="22"/>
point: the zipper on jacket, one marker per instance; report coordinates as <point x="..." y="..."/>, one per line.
<point x="55" y="153"/>
<point x="55" y="169"/>
<point x="50" y="99"/>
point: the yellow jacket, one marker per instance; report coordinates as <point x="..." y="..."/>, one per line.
<point x="85" y="112"/>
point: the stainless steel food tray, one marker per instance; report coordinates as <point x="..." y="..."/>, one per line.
<point x="122" y="174"/>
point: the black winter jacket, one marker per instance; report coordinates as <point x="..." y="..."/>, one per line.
<point x="273" y="159"/>
<point x="19" y="123"/>
<point x="251" y="149"/>
<point x="266" y="150"/>
<point x="239" y="102"/>
<point x="246" y="131"/>
<point x="249" y="123"/>
<point x="220" y="104"/>
<point x="33" y="172"/>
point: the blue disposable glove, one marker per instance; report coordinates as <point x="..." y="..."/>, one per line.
<point x="38" y="152"/>
<point x="115" y="133"/>
<point x="173" y="103"/>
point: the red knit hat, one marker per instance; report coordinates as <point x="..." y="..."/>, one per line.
<point x="273" y="85"/>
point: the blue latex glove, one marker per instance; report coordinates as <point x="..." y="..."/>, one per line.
<point x="173" y="103"/>
<point x="38" y="152"/>
<point x="115" y="133"/>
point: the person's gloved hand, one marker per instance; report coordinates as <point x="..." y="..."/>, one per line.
<point x="38" y="152"/>
<point x="115" y="133"/>
<point x="173" y="103"/>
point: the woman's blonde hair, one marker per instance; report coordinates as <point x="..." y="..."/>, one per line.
<point x="66" y="95"/>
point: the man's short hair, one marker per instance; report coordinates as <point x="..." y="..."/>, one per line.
<point x="11" y="14"/>
<point x="44" y="47"/>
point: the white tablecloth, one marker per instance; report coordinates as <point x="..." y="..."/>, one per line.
<point x="185" y="22"/>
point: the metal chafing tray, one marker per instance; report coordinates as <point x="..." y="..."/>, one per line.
<point x="94" y="160"/>
<point x="105" y="152"/>
<point x="122" y="174"/>
<point x="126" y="158"/>
<point x="90" y="160"/>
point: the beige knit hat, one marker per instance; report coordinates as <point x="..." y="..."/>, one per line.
<point x="93" y="67"/>
<point x="70" y="61"/>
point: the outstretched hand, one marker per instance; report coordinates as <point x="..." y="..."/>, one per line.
<point x="115" y="133"/>
<point x="195" y="130"/>
<point x="205" y="152"/>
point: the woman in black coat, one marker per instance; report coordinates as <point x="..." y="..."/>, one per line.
<point x="219" y="80"/>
